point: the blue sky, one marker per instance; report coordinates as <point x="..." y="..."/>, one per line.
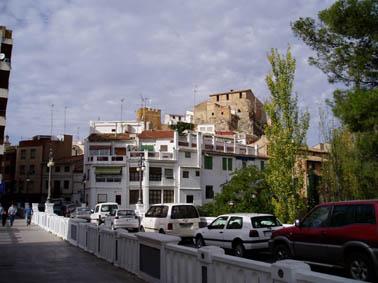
<point x="86" y="56"/>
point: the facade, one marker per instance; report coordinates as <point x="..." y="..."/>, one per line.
<point x="173" y="119"/>
<point x="115" y="127"/>
<point x="190" y="168"/>
<point x="150" y="117"/>
<point x="6" y="45"/>
<point x="232" y="111"/>
<point x="8" y="184"/>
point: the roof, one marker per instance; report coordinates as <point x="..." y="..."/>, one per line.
<point x="247" y="214"/>
<point x="108" y="137"/>
<point x="232" y="91"/>
<point x="225" y="133"/>
<point x="156" y="135"/>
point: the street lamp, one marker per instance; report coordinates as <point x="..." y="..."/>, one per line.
<point x="50" y="164"/>
<point x="140" y="169"/>
<point x="84" y="183"/>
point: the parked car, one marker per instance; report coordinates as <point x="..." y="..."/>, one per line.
<point x="239" y="232"/>
<point x="175" y="219"/>
<point x="123" y="218"/>
<point x="68" y="208"/>
<point x="102" y="210"/>
<point x="82" y="213"/>
<point x="337" y="234"/>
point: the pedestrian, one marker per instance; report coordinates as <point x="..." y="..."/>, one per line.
<point x="12" y="214"/>
<point x="28" y="214"/>
<point x="3" y="214"/>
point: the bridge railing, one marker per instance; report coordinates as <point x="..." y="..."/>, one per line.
<point x="156" y="257"/>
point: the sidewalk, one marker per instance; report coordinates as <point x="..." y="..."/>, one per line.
<point x="29" y="254"/>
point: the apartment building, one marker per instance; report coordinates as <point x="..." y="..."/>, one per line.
<point x="161" y="166"/>
<point x="6" y="45"/>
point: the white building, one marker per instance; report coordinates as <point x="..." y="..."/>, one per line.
<point x="173" y="119"/>
<point x="189" y="168"/>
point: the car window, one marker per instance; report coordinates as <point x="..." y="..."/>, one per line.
<point x="235" y="223"/>
<point x="218" y="223"/>
<point x="184" y="211"/>
<point x="97" y="208"/>
<point x="265" y="221"/>
<point x="343" y="215"/>
<point x="108" y="207"/>
<point x="126" y="213"/>
<point x="318" y="217"/>
<point x="159" y="211"/>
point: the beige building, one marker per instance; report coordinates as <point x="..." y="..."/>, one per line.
<point x="150" y="116"/>
<point x="232" y="111"/>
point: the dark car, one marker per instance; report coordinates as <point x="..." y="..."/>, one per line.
<point x="337" y="234"/>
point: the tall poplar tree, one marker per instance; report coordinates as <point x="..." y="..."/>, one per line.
<point x="286" y="133"/>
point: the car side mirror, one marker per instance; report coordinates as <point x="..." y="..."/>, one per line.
<point x="297" y="223"/>
<point x="92" y="211"/>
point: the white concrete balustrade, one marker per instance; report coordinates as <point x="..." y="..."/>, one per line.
<point x="158" y="258"/>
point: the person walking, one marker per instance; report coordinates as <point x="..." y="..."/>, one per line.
<point x="3" y="214"/>
<point x="12" y="214"/>
<point x="28" y="214"/>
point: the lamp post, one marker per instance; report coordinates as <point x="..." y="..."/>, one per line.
<point x="50" y="164"/>
<point x="140" y="169"/>
<point x="84" y="183"/>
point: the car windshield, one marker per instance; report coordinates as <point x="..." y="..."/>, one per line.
<point x="83" y="209"/>
<point x="159" y="211"/>
<point x="126" y="213"/>
<point x="184" y="211"/>
<point x="109" y="207"/>
<point x="265" y="221"/>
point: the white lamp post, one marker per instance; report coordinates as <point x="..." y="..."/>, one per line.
<point x="50" y="164"/>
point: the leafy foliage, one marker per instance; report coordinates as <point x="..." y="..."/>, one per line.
<point x="181" y="127"/>
<point x="286" y="133"/>
<point x="247" y="191"/>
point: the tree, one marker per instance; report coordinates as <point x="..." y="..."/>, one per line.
<point x="182" y="126"/>
<point x="247" y="191"/>
<point x="286" y="133"/>
<point x="345" y="40"/>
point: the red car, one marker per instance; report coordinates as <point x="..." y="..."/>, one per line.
<point x="336" y="234"/>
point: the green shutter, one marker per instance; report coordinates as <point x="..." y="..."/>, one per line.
<point x="224" y="163"/>
<point x="208" y="162"/>
<point x="230" y="164"/>
<point x="109" y="170"/>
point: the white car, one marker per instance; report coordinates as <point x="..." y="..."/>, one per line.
<point x="177" y="219"/>
<point x="102" y="210"/>
<point x="123" y="218"/>
<point x="239" y="231"/>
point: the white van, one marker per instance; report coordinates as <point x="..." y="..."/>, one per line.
<point x="102" y="210"/>
<point x="171" y="218"/>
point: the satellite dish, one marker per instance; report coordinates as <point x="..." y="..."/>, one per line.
<point x="2" y="56"/>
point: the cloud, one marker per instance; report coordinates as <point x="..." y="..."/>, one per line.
<point x="87" y="56"/>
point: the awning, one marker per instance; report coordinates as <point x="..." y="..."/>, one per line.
<point x="109" y="170"/>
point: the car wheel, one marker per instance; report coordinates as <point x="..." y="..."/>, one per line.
<point x="360" y="267"/>
<point x="281" y="252"/>
<point x="199" y="242"/>
<point x="239" y="249"/>
<point x="161" y="231"/>
<point x="141" y="229"/>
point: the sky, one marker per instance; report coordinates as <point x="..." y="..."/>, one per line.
<point x="85" y="57"/>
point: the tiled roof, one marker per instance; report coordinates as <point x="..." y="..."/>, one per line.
<point x="108" y="137"/>
<point x="156" y="135"/>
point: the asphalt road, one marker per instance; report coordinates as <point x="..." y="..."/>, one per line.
<point x="29" y="254"/>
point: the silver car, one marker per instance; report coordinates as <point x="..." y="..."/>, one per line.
<point x="123" y="218"/>
<point x="82" y="213"/>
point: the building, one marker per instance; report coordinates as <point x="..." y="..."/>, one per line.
<point x="8" y="183"/>
<point x="161" y="166"/>
<point x="6" y="45"/>
<point x="31" y="166"/>
<point x="150" y="117"/>
<point x="173" y="119"/>
<point x="239" y="111"/>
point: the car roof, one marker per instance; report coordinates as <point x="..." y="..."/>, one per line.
<point x="369" y="201"/>
<point x="107" y="203"/>
<point x="172" y="204"/>
<point x="247" y="214"/>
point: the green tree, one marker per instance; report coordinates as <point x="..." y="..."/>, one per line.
<point x="286" y="133"/>
<point x="247" y="191"/>
<point x="180" y="127"/>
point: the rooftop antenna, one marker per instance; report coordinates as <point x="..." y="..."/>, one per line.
<point x="194" y="96"/>
<point x="65" y="117"/>
<point x="52" y="120"/>
<point x="122" y="100"/>
<point x="78" y="133"/>
<point x="143" y="103"/>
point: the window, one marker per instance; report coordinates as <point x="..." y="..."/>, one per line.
<point x="168" y="196"/>
<point x="101" y="198"/>
<point x="108" y="179"/>
<point x="134" y="174"/>
<point x="235" y="223"/>
<point x="262" y="164"/>
<point x="66" y="184"/>
<point x="343" y="215"/>
<point x="57" y="169"/>
<point x="244" y="164"/>
<point x="99" y="151"/>
<point x="189" y="199"/>
<point x="217" y="97"/>
<point x="120" y="151"/>
<point x="197" y="173"/>
<point x="227" y="96"/>
<point x="212" y="114"/>
<point x="239" y="110"/>
<point x="155" y="174"/>
<point x="148" y="147"/>
<point x="154" y="196"/>
<point x="318" y="218"/>
<point x="219" y="223"/>
<point x="168" y="173"/>
<point x="209" y="192"/>
<point x="208" y="162"/>
<point x="66" y="168"/>
<point x="31" y="169"/>
<point x="118" y="199"/>
<point x="185" y="174"/>
<point x="32" y="153"/>
<point x="240" y="95"/>
<point x="134" y="195"/>
<point x="22" y="170"/>
<point x="163" y="147"/>
<point x="221" y="113"/>
<point x="227" y="164"/>
<point x="23" y="154"/>
<point x="187" y="154"/>
<point x="158" y="211"/>
<point x="265" y="222"/>
<point x="184" y="212"/>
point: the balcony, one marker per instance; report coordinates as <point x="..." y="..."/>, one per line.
<point x="107" y="159"/>
<point x="152" y="155"/>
